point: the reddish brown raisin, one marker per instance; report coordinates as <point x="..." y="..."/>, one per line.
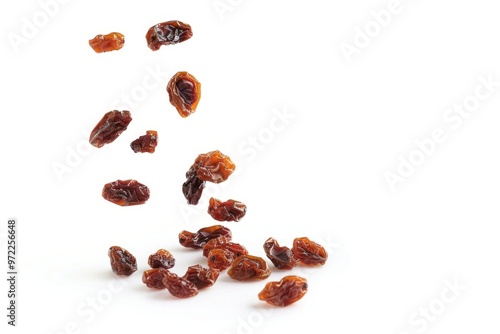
<point x="249" y="267"/>
<point x="161" y="259"/>
<point x="214" y="167"/>
<point x="229" y="210"/>
<point x="224" y="243"/>
<point x="203" y="235"/>
<point x="285" y="292"/>
<point x="112" y="124"/>
<point x="201" y="277"/>
<point x="146" y="143"/>
<point x="167" y="33"/>
<point x="153" y="278"/>
<point x="184" y="92"/>
<point x="281" y="256"/>
<point x="125" y="192"/>
<point x="220" y="259"/>
<point x="193" y="187"/>
<point x="309" y="252"/>
<point x="178" y="286"/>
<point x="110" y="42"/>
<point x="122" y="262"/>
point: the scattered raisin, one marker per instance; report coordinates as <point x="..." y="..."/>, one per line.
<point x="125" y="192"/>
<point x="281" y="256"/>
<point x="167" y="33"/>
<point x="285" y="292"/>
<point x="230" y="210"/>
<point x="309" y="252"/>
<point x="161" y="259"/>
<point x="146" y="143"/>
<point x="112" y="124"/>
<point x="179" y="286"/>
<point x="224" y="243"/>
<point x="214" y="167"/>
<point x="110" y="42"/>
<point x="203" y="235"/>
<point x="193" y="187"/>
<point x="220" y="259"/>
<point x="200" y="276"/>
<point x="122" y="262"/>
<point x="184" y="92"/>
<point x="153" y="278"/>
<point x="249" y="267"/>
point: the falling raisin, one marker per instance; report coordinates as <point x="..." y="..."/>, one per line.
<point x="229" y="210"/>
<point x="153" y="278"/>
<point x="110" y="42"/>
<point x="193" y="187"/>
<point x="184" y="92"/>
<point x="179" y="286"/>
<point x="161" y="259"/>
<point x="122" y="262"/>
<point x="226" y="244"/>
<point x="125" y="192"/>
<point x="167" y="33"/>
<point x="200" y="276"/>
<point x="281" y="256"/>
<point x="220" y="259"/>
<point x="112" y="124"/>
<point x="249" y="267"/>
<point x="214" y="167"/>
<point x="308" y="252"/>
<point x="146" y="143"/>
<point x="203" y="235"/>
<point x="285" y="292"/>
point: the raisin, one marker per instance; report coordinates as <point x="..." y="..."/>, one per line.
<point x="179" y="286"/>
<point x="125" y="192"/>
<point x="214" y="167"/>
<point x="226" y="244"/>
<point x="193" y="187"/>
<point x="285" y="292"/>
<point x="203" y="235"/>
<point x="184" y="92"/>
<point x="201" y="277"/>
<point x="112" y="124"/>
<point x="122" y="262"/>
<point x="110" y="42"/>
<point x="281" y="256"/>
<point x="146" y="143"/>
<point x="308" y="252"/>
<point x="220" y="259"/>
<point x="161" y="259"/>
<point x="229" y="210"/>
<point x="249" y="267"/>
<point x="167" y="33"/>
<point x="153" y="278"/>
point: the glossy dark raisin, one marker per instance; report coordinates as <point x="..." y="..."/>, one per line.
<point x="125" y="192"/>
<point x="122" y="262"/>
<point x="285" y="292"/>
<point x="168" y="33"/>
<point x="229" y="210"/>
<point x="281" y="256"/>
<point x="111" y="125"/>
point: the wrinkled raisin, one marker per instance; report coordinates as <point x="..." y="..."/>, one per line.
<point x="193" y="187"/>
<point x="249" y="267"/>
<point x="214" y="167"/>
<point x="224" y="243"/>
<point x="200" y="276"/>
<point x="153" y="278"/>
<point x="110" y="42"/>
<point x="308" y="252"/>
<point x="161" y="259"/>
<point x="229" y="210"/>
<point x="281" y="256"/>
<point x="167" y="33"/>
<point x="203" y="235"/>
<point x="125" y="192"/>
<point x="184" y="92"/>
<point x="220" y="259"/>
<point x="111" y="125"/>
<point x="285" y="292"/>
<point x="178" y="286"/>
<point x="146" y="143"/>
<point x="122" y="262"/>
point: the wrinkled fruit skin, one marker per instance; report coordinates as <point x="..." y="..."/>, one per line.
<point x="226" y="244"/>
<point x="125" y="192"/>
<point x="184" y="92"/>
<point x="178" y="286"/>
<point x="161" y="259"/>
<point x="281" y="256"/>
<point x="285" y="292"/>
<point x="146" y="143"/>
<point x="214" y="167"/>
<point x="201" y="277"/>
<point x="230" y="210"/>
<point x="203" y="235"/>
<point x="308" y="252"/>
<point x="247" y="267"/>
<point x="122" y="262"/>
<point x="112" y="124"/>
<point x="168" y="33"/>
<point x="220" y="259"/>
<point x="193" y="187"/>
<point x="153" y="278"/>
<point x="110" y="42"/>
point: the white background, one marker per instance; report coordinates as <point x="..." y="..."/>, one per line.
<point x="321" y="174"/>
